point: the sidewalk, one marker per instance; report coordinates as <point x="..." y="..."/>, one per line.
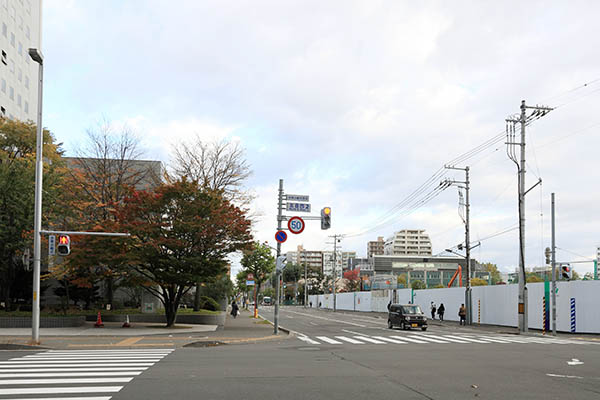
<point x="243" y="329"/>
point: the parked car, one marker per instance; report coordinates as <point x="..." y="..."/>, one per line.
<point x="406" y="316"/>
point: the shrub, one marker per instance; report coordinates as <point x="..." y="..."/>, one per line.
<point x="208" y="303"/>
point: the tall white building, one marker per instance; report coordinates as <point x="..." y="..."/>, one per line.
<point x="408" y="242"/>
<point x="20" y="29"/>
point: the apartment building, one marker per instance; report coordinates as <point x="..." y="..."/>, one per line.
<point x="375" y="247"/>
<point x="20" y="29"/>
<point x="313" y="259"/>
<point x="414" y="242"/>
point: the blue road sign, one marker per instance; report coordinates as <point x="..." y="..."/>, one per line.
<point x="301" y="207"/>
<point x="281" y="236"/>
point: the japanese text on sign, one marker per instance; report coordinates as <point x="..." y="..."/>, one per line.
<point x="301" y="207"/>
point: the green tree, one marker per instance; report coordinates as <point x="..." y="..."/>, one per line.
<point x="493" y="270"/>
<point x="402" y="280"/>
<point x="17" y="197"/>
<point x="417" y="284"/>
<point x="260" y="263"/>
<point x="588" y="276"/>
<point x="575" y="276"/>
<point x="180" y="234"/>
<point x="533" y="278"/>
<point x="478" y="282"/>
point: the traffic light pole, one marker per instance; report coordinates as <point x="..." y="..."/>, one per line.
<point x="553" y="271"/>
<point x="278" y="273"/>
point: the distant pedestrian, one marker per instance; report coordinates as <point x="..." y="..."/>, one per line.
<point x="319" y="304"/>
<point x="433" y="310"/>
<point x="441" y="310"/>
<point x="310" y="304"/>
<point x="234" y="309"/>
<point x="462" y="313"/>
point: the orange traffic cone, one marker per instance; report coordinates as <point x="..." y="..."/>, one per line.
<point x="126" y="324"/>
<point x="99" y="323"/>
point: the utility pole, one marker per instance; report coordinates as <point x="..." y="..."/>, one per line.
<point x="465" y="185"/>
<point x="305" y="284"/>
<point x="335" y="241"/>
<point x="519" y="161"/>
<point x="553" y="270"/>
<point x="278" y="273"/>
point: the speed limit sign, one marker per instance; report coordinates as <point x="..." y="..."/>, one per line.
<point x="296" y="225"/>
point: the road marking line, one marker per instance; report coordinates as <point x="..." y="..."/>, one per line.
<point x="349" y="340"/>
<point x="308" y="340"/>
<point x="447" y="338"/>
<point x="142" y="351"/>
<point x="491" y="339"/>
<point x="68" y="398"/>
<point x="427" y="338"/>
<point x="2" y="370"/>
<point x="511" y="339"/>
<point x="575" y="361"/>
<point x="128" y="341"/>
<point x="466" y="338"/>
<point x="565" y="376"/>
<point x="409" y="339"/>
<point x="48" y="390"/>
<point x="133" y="345"/>
<point x="368" y="339"/>
<point x="328" y="340"/>
<point x="85" y="357"/>
<point x="61" y="381"/>
<point x="75" y="365"/>
<point x="25" y="362"/>
<point x="60" y="374"/>
<point x="387" y="339"/>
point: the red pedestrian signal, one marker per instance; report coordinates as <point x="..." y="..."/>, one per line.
<point x="64" y="245"/>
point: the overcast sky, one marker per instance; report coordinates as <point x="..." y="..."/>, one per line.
<point x="355" y="103"/>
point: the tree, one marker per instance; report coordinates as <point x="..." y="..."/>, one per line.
<point x="493" y="270"/>
<point x="402" y="280"/>
<point x="218" y="166"/>
<point x="532" y="278"/>
<point x="179" y="235"/>
<point x="352" y="278"/>
<point x="478" y="282"/>
<point x="575" y="276"/>
<point x="417" y="284"/>
<point x="588" y="276"/>
<point x="259" y="262"/>
<point x="17" y="198"/>
<point x="104" y="172"/>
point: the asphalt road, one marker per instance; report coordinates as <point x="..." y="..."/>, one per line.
<point x="292" y="368"/>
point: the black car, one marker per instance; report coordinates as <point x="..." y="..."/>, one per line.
<point x="406" y="316"/>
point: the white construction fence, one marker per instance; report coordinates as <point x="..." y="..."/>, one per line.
<point x="577" y="303"/>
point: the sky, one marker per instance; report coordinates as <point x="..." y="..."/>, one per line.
<point x="354" y="103"/>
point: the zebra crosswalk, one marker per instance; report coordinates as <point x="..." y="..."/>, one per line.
<point x="428" y="338"/>
<point x="74" y="374"/>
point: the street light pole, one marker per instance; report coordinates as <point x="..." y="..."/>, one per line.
<point x="36" y="56"/>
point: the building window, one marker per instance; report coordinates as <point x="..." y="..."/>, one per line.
<point x="20" y="49"/>
<point x="27" y="82"/>
<point x="3" y="85"/>
<point x="12" y="39"/>
<point x="4" y="30"/>
<point x="26" y="107"/>
<point x="19" y="100"/>
<point x="27" y="32"/>
<point x="20" y="75"/>
<point x="11" y="93"/>
<point x="12" y="66"/>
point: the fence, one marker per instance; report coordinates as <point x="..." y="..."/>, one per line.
<point x="495" y="305"/>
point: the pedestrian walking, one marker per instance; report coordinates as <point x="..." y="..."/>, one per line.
<point x="441" y="310"/>
<point x="310" y="304"/>
<point x="462" y="313"/>
<point x="433" y="310"/>
<point x="234" y="309"/>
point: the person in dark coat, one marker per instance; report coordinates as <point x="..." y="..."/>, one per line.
<point x="234" y="309"/>
<point x="441" y="310"/>
<point x="433" y="310"/>
<point x="462" y="313"/>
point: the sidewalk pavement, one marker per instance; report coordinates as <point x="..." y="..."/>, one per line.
<point x="243" y="329"/>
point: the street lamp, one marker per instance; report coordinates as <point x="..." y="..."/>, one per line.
<point x="36" y="56"/>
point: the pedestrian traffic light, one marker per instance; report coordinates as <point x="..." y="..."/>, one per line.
<point x="64" y="245"/>
<point x="326" y="218"/>
<point x="566" y="272"/>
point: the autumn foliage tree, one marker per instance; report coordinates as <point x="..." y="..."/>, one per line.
<point x="179" y="234"/>
<point x="352" y="279"/>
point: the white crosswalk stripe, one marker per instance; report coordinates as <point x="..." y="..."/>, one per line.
<point x="438" y="338"/>
<point x="98" y="373"/>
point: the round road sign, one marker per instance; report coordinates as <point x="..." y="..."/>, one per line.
<point x="296" y="225"/>
<point x="281" y="236"/>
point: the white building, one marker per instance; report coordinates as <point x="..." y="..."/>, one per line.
<point x="20" y="29"/>
<point x="414" y="242"/>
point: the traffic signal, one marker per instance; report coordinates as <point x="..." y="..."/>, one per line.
<point x="548" y="254"/>
<point x="64" y="245"/>
<point x="566" y="272"/>
<point x="326" y="218"/>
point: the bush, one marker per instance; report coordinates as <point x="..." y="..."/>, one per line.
<point x="208" y="303"/>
